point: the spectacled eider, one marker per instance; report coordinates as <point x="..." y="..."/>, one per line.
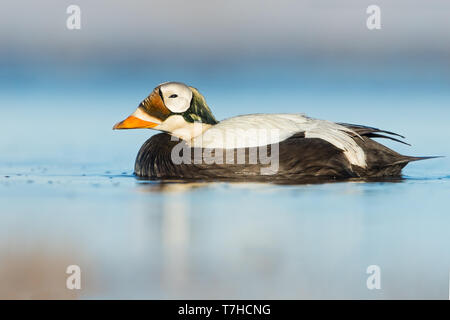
<point x="276" y="147"/>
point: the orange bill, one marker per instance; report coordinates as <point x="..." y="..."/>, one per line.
<point x="133" y="122"/>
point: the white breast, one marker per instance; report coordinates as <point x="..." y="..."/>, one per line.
<point x="255" y="130"/>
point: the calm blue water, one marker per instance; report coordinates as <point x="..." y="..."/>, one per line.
<point x="68" y="196"/>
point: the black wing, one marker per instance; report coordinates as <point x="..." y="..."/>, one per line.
<point x="371" y="132"/>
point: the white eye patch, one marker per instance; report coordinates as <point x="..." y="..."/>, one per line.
<point x="177" y="96"/>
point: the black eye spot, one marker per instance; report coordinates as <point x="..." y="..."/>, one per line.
<point x="173" y="96"/>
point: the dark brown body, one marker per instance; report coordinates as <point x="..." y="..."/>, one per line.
<point x="300" y="160"/>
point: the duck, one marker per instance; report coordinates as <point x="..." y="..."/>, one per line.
<point x="284" y="147"/>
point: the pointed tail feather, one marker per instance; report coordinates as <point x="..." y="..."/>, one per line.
<point x="407" y="159"/>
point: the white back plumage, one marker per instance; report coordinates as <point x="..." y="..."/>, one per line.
<point x="255" y="130"/>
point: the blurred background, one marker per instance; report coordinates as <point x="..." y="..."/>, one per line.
<point x="68" y="196"/>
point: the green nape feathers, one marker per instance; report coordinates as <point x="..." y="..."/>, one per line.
<point x="199" y="110"/>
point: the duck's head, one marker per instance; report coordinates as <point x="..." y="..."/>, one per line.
<point x="172" y="107"/>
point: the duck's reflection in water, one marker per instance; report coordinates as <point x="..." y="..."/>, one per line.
<point x="180" y="186"/>
<point x="171" y="186"/>
<point x="203" y="254"/>
<point x="232" y="239"/>
<point x="175" y="231"/>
